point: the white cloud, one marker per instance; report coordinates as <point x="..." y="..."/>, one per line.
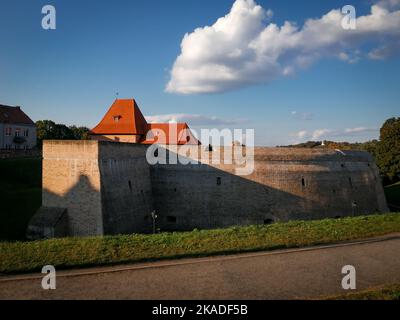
<point x="302" y="134"/>
<point x="240" y="49"/>
<point x="326" y="134"/>
<point x="384" y="51"/>
<point x="302" y="115"/>
<point x="389" y="4"/>
<point x="192" y="119"/>
<point x="350" y="57"/>
<point x="320" y="133"/>
<point x="360" y="130"/>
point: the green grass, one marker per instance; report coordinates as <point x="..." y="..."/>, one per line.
<point x="20" y="195"/>
<point x="16" y="257"/>
<point x="393" y="194"/>
<point x="391" y="292"/>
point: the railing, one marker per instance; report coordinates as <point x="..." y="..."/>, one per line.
<point x="11" y="154"/>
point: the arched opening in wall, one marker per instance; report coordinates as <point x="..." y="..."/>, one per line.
<point x="268" y="221"/>
<point x="219" y="181"/>
<point x="342" y="165"/>
<point x="130" y="185"/>
<point x="210" y="148"/>
<point x="174" y="189"/>
<point x="171" y="219"/>
<point x="303" y="182"/>
<point x="156" y="153"/>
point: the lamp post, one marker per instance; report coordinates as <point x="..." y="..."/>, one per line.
<point x="354" y="207"/>
<point x="154" y="216"/>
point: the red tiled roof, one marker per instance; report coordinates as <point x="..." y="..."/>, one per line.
<point x="14" y="115"/>
<point x="123" y="117"/>
<point x="170" y="133"/>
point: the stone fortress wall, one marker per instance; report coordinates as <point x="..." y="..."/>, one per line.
<point x="93" y="188"/>
<point x="98" y="188"/>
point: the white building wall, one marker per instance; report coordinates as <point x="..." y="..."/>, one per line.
<point x="8" y="141"/>
<point x="1" y="136"/>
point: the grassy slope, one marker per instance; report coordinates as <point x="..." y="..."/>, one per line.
<point x="391" y="292"/>
<point x="78" y="252"/>
<point x="20" y="196"/>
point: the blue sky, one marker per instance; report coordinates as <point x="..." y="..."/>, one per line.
<point x="71" y="74"/>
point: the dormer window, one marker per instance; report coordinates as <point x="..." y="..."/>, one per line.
<point x="116" y="118"/>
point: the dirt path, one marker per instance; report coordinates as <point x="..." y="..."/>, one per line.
<point x="285" y="274"/>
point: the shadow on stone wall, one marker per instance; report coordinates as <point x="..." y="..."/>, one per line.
<point x="72" y="214"/>
<point x="204" y="196"/>
<point x="186" y="197"/>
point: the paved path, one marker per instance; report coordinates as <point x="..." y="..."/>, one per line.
<point x="286" y="274"/>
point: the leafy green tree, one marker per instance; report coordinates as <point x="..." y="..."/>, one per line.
<point x="46" y="130"/>
<point x="80" y="133"/>
<point x="371" y="147"/>
<point x="64" y="133"/>
<point x="388" y="151"/>
<point x="49" y="130"/>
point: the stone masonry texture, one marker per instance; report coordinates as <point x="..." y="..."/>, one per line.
<point x="110" y="188"/>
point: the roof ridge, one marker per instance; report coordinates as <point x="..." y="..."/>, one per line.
<point x="124" y="117"/>
<point x="7" y="106"/>
<point x="131" y="119"/>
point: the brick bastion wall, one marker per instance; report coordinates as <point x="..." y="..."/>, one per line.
<point x="97" y="188"/>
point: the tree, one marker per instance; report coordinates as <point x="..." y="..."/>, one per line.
<point x="46" y="130"/>
<point x="388" y="151"/>
<point x="80" y="133"/>
<point x="371" y="147"/>
<point x="49" y="130"/>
